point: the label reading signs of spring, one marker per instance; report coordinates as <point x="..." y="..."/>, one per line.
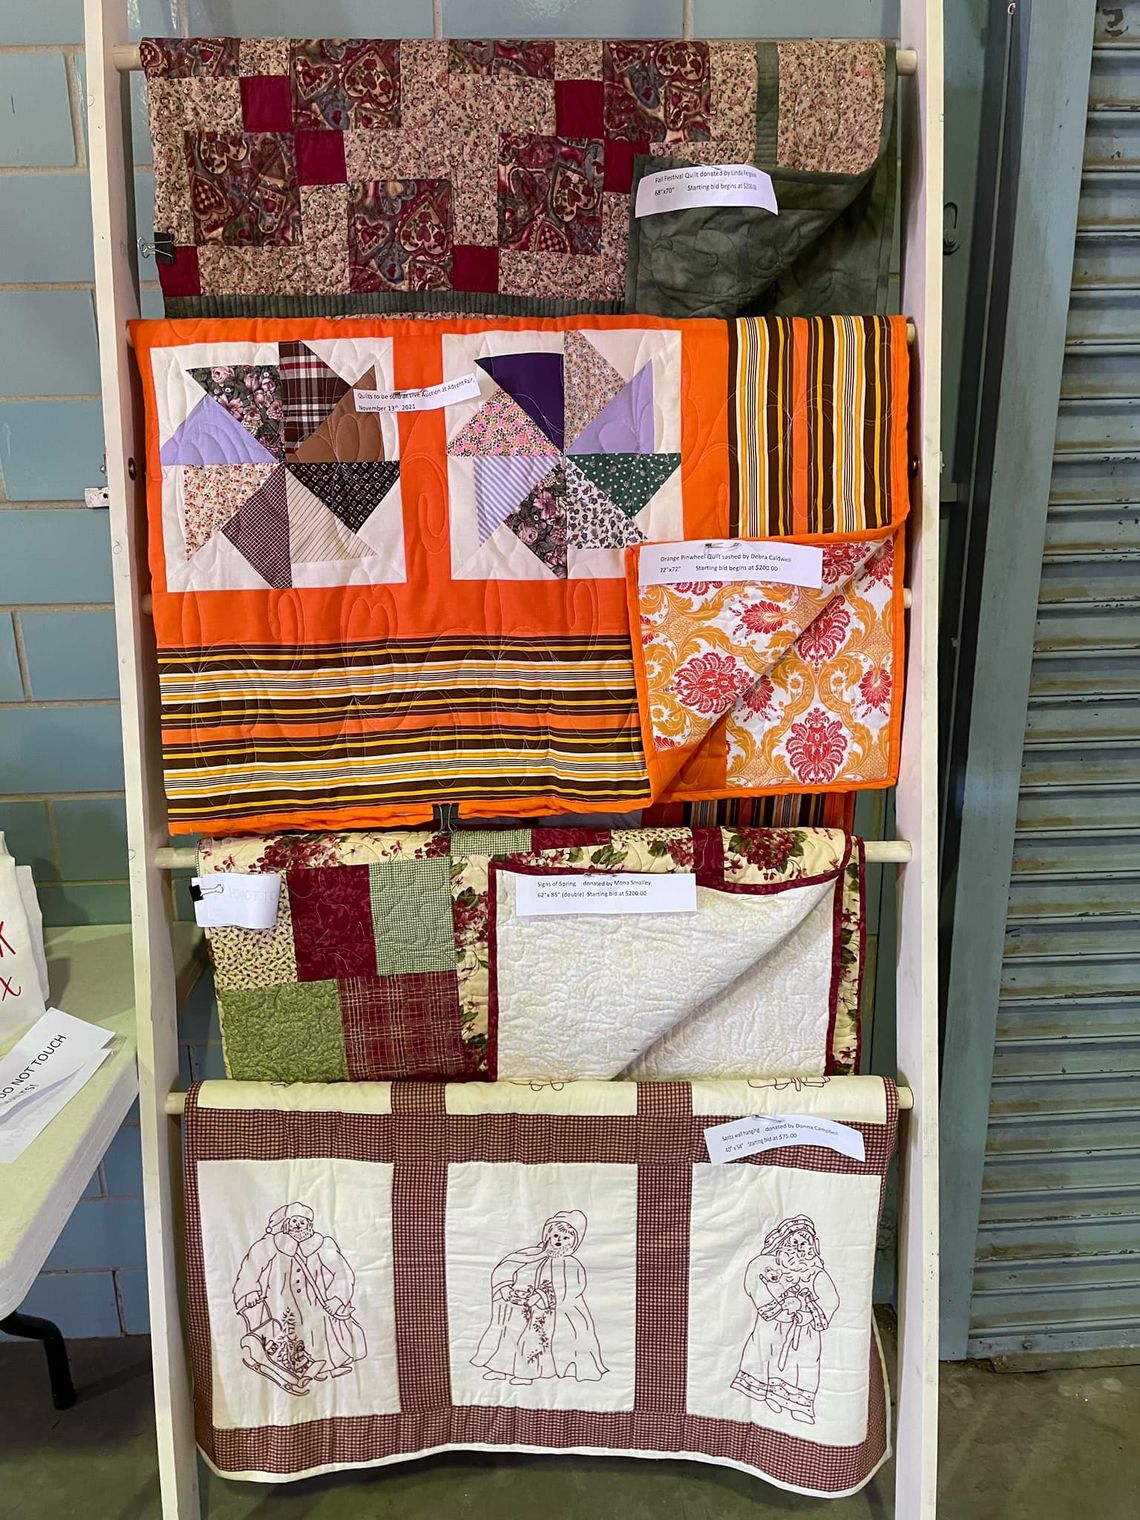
<point x="572" y="892"/>
<point x="233" y="900"/>
<point x="749" y="1136"/>
<point x="705" y="185"/>
<point x="731" y="559"/>
<point x="428" y="399"/>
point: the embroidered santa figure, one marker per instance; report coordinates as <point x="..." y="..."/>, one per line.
<point x="795" y="1301"/>
<point x="294" y="1293"/>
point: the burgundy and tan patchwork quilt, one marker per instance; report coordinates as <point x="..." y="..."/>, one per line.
<point x="407" y="956"/>
<point x="315" y="176"/>
<point x="377" y="1272"/>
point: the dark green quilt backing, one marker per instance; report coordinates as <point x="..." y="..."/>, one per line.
<point x="828" y="250"/>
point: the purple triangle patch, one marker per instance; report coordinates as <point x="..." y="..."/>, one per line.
<point x="535" y="382"/>
<point x="211" y="436"/>
<point x="501" y="483"/>
<point x="260" y="530"/>
<point x="626" y="425"/>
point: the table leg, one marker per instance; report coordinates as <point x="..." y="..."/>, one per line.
<point x="55" y="1349"/>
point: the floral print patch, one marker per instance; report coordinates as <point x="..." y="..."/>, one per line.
<point x="243" y="188"/>
<point x="801" y="679"/>
<point x="657" y="91"/>
<point x="339" y="85"/>
<point x="550" y="194"/>
<point x="211" y="494"/>
<point x="400" y="235"/>
<point x="540" y="522"/>
<point x="251" y="393"/>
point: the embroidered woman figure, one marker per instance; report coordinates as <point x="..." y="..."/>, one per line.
<point x="541" y="1325"/>
<point x="795" y="1301"/>
<point x="294" y="1293"/>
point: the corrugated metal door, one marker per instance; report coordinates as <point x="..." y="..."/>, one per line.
<point x="1058" y="1254"/>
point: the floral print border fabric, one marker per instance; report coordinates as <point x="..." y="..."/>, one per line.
<point x="321" y="175"/>
<point x="380" y="961"/>
<point x="799" y="684"/>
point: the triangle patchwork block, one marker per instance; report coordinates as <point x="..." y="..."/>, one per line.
<point x="346" y="435"/>
<point x="315" y="533"/>
<point x="310" y="390"/>
<point x="260" y="530"/>
<point x="592" y="520"/>
<point x="251" y="393"/>
<point x="626" y="425"/>
<point x="539" y="522"/>
<point x="591" y="383"/>
<point x="535" y="382"/>
<point x="498" y="428"/>
<point x="210" y="435"/>
<point x="628" y="480"/>
<point x="501" y="483"/>
<point x="211" y="494"/>
<point x="352" y="492"/>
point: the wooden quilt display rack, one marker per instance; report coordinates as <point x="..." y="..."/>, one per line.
<point x="110" y="58"/>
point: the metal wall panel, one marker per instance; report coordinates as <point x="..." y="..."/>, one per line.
<point x="1057" y="1266"/>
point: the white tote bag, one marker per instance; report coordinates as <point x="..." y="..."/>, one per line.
<point x="23" y="970"/>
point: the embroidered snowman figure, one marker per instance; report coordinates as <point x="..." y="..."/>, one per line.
<point x="795" y="1301"/>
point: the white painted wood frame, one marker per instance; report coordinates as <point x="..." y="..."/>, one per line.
<point x="920" y="102"/>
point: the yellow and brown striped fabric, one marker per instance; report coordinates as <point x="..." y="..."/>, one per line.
<point x="812" y="419"/>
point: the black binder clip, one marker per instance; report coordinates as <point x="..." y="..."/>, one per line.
<point x="163" y="248"/>
<point x="445" y="817"/>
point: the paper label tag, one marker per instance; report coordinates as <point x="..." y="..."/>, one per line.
<point x="731" y="559"/>
<point x="231" y="900"/>
<point x="627" y="892"/>
<point x="53" y="1049"/>
<point x="705" y="185"/>
<point x="750" y="1136"/>
<point x="428" y="399"/>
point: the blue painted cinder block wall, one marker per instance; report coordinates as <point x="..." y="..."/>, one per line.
<point x="61" y="772"/>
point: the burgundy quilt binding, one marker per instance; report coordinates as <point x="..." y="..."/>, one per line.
<point x="708" y="861"/>
<point x="664" y="1139"/>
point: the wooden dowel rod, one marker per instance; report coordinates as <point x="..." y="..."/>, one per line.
<point x="126" y="59"/>
<point x="880" y="852"/>
<point x="176" y="1102"/>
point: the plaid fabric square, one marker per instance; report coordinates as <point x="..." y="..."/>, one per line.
<point x="290" y="1033"/>
<point x="411" y="915"/>
<point x="403" y="1026"/>
<point x="309" y="392"/>
<point x="332" y="922"/>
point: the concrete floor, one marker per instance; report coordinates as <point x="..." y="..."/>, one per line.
<point x="1015" y="1446"/>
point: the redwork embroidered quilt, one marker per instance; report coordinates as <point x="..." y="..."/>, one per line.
<point x="361" y="614"/>
<point x="317" y="176"/>
<point x="378" y="1272"/>
<point x="402" y="955"/>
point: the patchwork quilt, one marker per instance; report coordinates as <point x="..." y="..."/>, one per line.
<point x="378" y="1272"/>
<point x="363" y="613"/>
<point x="319" y="176"/>
<point x="404" y="956"/>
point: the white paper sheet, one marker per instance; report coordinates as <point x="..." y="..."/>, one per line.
<point x="705" y="185"/>
<point x="231" y="899"/>
<point x="748" y="1137"/>
<point x="51" y="1051"/>
<point x="627" y="892"/>
<point x="730" y="559"/>
<point x="33" y="1118"/>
